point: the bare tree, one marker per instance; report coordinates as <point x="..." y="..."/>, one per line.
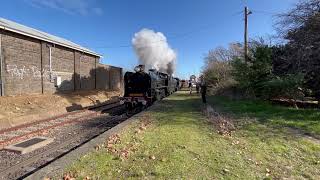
<point x="298" y="16"/>
<point x="217" y="68"/>
<point x="225" y="54"/>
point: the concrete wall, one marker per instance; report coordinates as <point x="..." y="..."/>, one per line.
<point x="115" y="78"/>
<point x="27" y="70"/>
<point x="103" y="76"/>
<point x="108" y="77"/>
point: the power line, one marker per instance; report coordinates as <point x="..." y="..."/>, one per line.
<point x="185" y="34"/>
<point x="244" y="2"/>
<point x="266" y="12"/>
<point x="177" y="36"/>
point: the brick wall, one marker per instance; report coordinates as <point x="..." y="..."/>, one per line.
<point x="62" y="65"/>
<point x="27" y="68"/>
<point x="21" y="60"/>
<point x="77" y="79"/>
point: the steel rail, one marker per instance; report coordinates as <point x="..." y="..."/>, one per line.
<point x="26" y="163"/>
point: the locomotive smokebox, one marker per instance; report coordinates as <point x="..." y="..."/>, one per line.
<point x="139" y="68"/>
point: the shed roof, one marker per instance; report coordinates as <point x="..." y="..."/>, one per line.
<point x="34" y="33"/>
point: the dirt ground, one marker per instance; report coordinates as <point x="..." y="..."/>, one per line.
<point x="17" y="110"/>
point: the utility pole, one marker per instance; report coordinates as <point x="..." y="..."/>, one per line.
<point x="246" y="13"/>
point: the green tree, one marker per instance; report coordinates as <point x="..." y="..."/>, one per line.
<point x="258" y="76"/>
<point x="252" y="75"/>
<point x="301" y="27"/>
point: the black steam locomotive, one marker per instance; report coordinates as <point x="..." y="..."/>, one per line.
<point x="142" y="88"/>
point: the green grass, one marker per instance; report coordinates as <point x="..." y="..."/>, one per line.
<point x="186" y="146"/>
<point x="306" y="120"/>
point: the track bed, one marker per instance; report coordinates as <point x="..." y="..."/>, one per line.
<point x="69" y="132"/>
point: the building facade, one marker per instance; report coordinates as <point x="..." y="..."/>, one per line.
<point x="34" y="62"/>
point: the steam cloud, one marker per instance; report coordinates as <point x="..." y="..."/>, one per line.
<point x="153" y="51"/>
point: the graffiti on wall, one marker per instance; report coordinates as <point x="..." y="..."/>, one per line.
<point x="22" y="72"/>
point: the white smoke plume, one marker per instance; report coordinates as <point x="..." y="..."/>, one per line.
<point x="154" y="51"/>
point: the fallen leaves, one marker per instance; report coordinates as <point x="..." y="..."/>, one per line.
<point x="69" y="176"/>
<point x="97" y="147"/>
<point x="268" y="172"/>
<point x="235" y="142"/>
<point x="145" y="122"/>
<point x="163" y="160"/>
<point x="123" y="152"/>
<point x="223" y="124"/>
<point x="111" y="141"/>
<point x="226" y="170"/>
<point x="152" y="157"/>
<point x="137" y="131"/>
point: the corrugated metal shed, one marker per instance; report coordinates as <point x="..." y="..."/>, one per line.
<point x="27" y="31"/>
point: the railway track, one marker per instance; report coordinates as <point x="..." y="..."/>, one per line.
<point x="87" y="124"/>
<point x="9" y="136"/>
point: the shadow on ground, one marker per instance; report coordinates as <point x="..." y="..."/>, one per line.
<point x="305" y="120"/>
<point x="270" y="120"/>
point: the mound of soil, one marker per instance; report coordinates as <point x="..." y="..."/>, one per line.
<point x="17" y="110"/>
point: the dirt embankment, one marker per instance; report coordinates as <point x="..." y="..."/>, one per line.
<point x="17" y="110"/>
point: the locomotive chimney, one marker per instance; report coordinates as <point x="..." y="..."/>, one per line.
<point x="142" y="67"/>
<point x="139" y="68"/>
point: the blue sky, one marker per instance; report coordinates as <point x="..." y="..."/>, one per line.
<point x="192" y="27"/>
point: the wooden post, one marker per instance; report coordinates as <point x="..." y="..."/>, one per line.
<point x="246" y="34"/>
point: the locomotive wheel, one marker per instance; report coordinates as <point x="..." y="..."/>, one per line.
<point x="158" y="97"/>
<point x="135" y="110"/>
<point x="163" y="94"/>
<point x="129" y="113"/>
<point x="129" y="110"/>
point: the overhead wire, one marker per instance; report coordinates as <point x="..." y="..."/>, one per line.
<point x="186" y="34"/>
<point x="177" y="36"/>
<point x="266" y="12"/>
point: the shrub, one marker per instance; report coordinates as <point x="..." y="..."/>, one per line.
<point x="287" y="86"/>
<point x="252" y="74"/>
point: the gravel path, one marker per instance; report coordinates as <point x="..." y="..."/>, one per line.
<point x="74" y="134"/>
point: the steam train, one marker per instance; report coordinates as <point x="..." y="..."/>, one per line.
<point x="141" y="88"/>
